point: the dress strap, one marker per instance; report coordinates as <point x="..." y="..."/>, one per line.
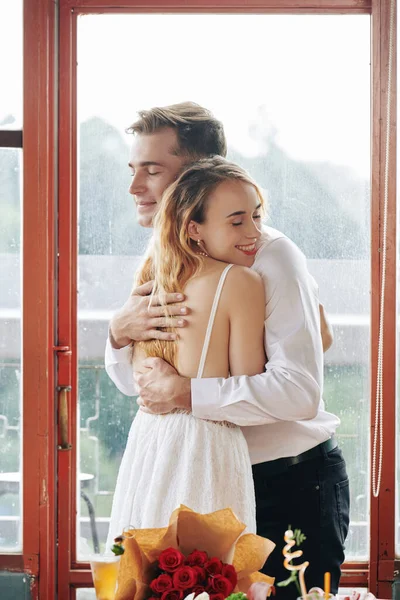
<point x="211" y="321"/>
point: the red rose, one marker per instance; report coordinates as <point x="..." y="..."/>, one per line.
<point x="154" y="598"/>
<point x="161" y="584"/>
<point x="217" y="597"/>
<point x="198" y="589"/>
<point x="220" y="585"/>
<point x="197" y="557"/>
<point x="229" y="572"/>
<point x="184" y="578"/>
<point x="170" y="560"/>
<point x="201" y="573"/>
<point x="213" y="566"/>
<point x="172" y="595"/>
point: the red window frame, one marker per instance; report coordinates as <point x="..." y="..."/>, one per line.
<point x="39" y="208"/>
<point x="39" y="188"/>
<point x="50" y="283"/>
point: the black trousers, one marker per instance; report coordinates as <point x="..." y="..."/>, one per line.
<point x="312" y="496"/>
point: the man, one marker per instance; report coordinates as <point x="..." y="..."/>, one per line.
<point x="299" y="472"/>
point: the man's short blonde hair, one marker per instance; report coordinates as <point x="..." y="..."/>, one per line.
<point x="199" y="133"/>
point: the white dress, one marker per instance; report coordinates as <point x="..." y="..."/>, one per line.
<point x="178" y="459"/>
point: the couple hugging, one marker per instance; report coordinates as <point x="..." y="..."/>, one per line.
<point x="223" y="339"/>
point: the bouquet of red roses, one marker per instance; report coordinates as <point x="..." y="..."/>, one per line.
<point x="179" y="575"/>
<point x="163" y="563"/>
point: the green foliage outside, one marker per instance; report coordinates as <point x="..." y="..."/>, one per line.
<point x="310" y="202"/>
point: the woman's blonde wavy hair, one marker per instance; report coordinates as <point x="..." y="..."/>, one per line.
<point x="172" y="257"/>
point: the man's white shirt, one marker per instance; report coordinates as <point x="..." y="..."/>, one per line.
<point x="281" y="411"/>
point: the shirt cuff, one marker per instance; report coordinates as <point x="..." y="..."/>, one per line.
<point x="205" y="399"/>
<point x="118" y="355"/>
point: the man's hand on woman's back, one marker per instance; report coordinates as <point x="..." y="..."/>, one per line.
<point x="141" y="320"/>
<point x="161" y="389"/>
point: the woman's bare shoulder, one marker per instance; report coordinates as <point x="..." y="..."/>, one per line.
<point x="208" y="276"/>
<point x="243" y="276"/>
<point x="239" y="281"/>
<point x="243" y="287"/>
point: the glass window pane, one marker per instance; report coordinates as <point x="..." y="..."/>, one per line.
<point x="85" y="594"/>
<point x="10" y="352"/>
<point x="11" y="67"/>
<point x="298" y="120"/>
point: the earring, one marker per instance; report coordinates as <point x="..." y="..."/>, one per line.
<point x="201" y="251"/>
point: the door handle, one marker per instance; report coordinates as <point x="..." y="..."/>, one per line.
<point x="63" y="416"/>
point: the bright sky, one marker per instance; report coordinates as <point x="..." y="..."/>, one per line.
<point x="307" y="77"/>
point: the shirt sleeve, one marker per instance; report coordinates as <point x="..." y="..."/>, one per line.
<point x="118" y="365"/>
<point x="290" y="389"/>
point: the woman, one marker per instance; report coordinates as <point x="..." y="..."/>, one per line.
<point x="205" y="238"/>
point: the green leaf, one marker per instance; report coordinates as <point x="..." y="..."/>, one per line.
<point x="117" y="549"/>
<point x="299" y="537"/>
<point x="237" y="596"/>
<point x="292" y="578"/>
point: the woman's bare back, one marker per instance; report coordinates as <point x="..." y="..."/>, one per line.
<point x="199" y="297"/>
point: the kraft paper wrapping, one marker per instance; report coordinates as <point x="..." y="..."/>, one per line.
<point x="216" y="533"/>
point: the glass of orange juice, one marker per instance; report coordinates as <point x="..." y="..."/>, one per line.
<point x="105" y="573"/>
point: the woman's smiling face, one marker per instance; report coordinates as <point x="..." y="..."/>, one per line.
<point x="232" y="223"/>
